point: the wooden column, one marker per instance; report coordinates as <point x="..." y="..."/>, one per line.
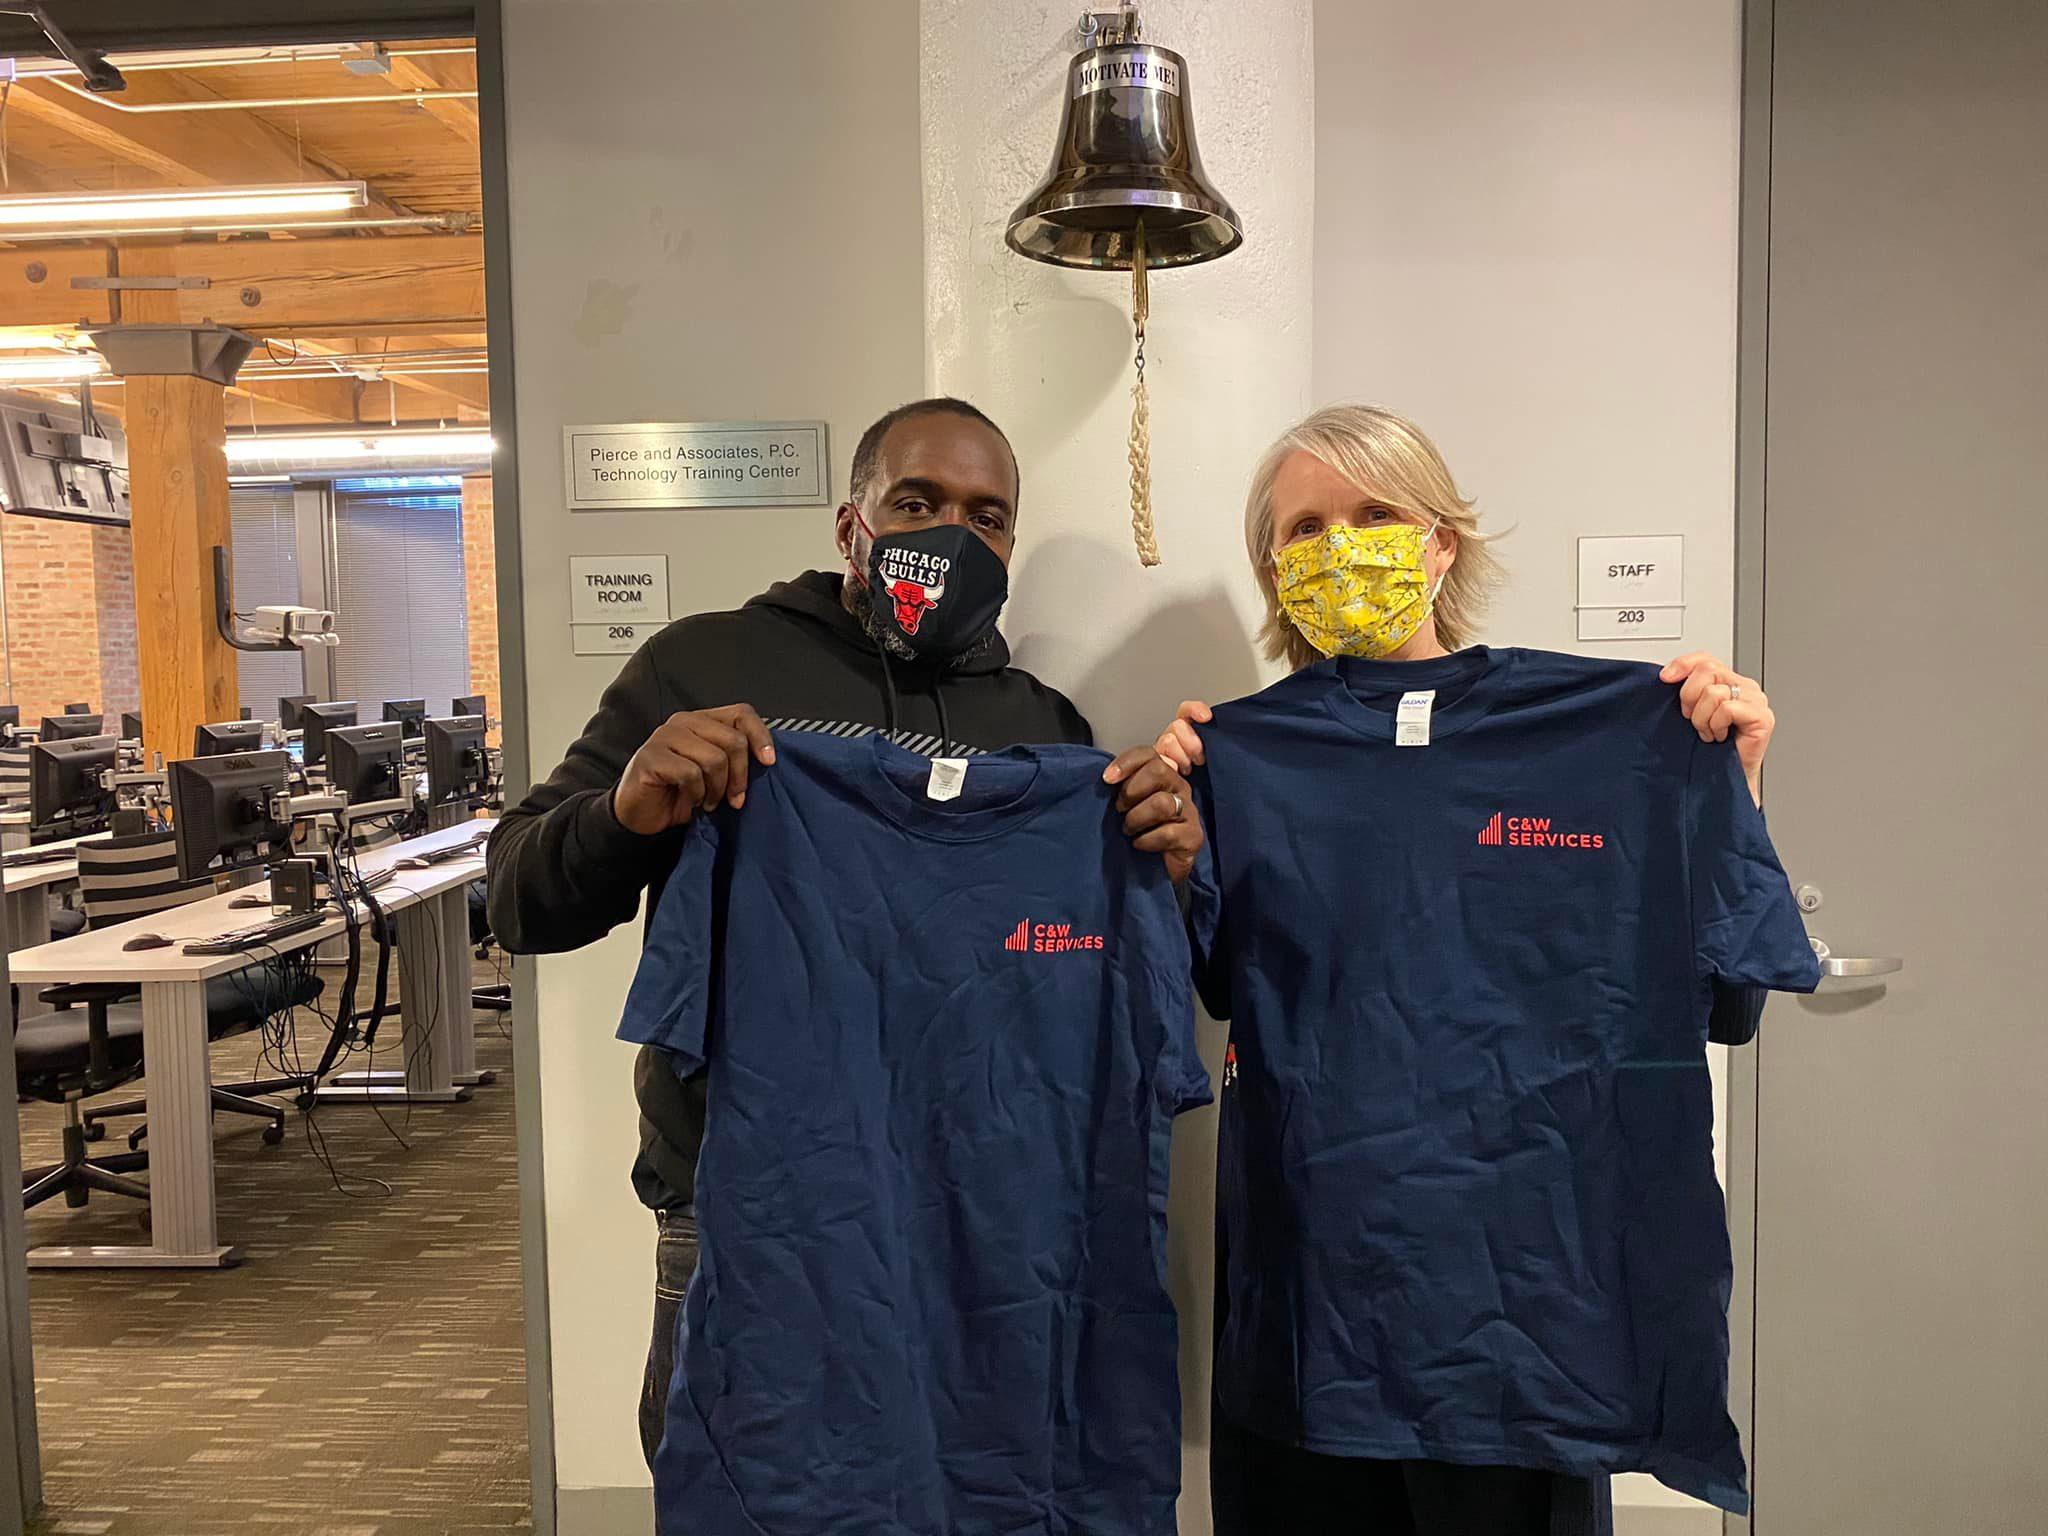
<point x="178" y="488"/>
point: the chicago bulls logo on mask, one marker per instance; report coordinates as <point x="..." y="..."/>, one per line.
<point x="944" y="587"/>
<point x="912" y="600"/>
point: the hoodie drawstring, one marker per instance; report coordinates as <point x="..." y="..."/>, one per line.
<point x="945" y="726"/>
<point x="892" y="716"/>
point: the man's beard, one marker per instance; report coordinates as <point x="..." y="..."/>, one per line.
<point x="860" y="602"/>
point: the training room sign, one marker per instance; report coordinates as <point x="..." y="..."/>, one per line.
<point x="616" y="601"/>
<point x="661" y="465"/>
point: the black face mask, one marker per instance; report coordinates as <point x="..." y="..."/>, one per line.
<point x="938" y="590"/>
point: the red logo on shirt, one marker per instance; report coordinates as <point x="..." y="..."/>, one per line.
<point x="1049" y="939"/>
<point x="1505" y="831"/>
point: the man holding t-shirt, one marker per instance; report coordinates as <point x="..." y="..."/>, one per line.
<point x="904" y="641"/>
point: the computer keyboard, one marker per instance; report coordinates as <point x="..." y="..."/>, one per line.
<point x="28" y="857"/>
<point x="235" y="942"/>
<point x="446" y="855"/>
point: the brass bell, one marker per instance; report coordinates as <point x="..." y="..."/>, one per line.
<point x="1126" y="156"/>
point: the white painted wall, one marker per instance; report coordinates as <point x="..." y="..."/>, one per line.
<point x="1525" y="238"/>
<point x="1048" y="353"/>
<point x="715" y="215"/>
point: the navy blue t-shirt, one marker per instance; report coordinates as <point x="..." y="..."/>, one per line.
<point x="946" y="1041"/>
<point x="1467" y="1208"/>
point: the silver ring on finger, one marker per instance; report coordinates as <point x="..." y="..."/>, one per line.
<point x="1734" y="691"/>
<point x="1180" y="809"/>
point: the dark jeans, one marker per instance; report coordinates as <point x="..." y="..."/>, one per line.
<point x="1260" y="1487"/>
<point x="675" y="1260"/>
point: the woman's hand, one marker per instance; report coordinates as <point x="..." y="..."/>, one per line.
<point x="1178" y="743"/>
<point x="1720" y="701"/>
<point x="1159" y="809"/>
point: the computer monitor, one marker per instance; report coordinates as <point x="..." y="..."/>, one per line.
<point x="70" y="727"/>
<point x="223" y="812"/>
<point x="471" y="704"/>
<point x="458" y="768"/>
<point x="70" y="786"/>
<point x="288" y="709"/>
<point x="316" y="720"/>
<point x="365" y="763"/>
<point x="408" y="713"/>
<point x="227" y="736"/>
<point x="77" y="709"/>
<point x="131" y="725"/>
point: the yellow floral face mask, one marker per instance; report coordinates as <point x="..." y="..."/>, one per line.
<point x="1357" y="591"/>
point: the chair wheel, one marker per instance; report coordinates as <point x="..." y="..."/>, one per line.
<point x="272" y="1135"/>
<point x="136" y="1137"/>
<point x="95" y="1130"/>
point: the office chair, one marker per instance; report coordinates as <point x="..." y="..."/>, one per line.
<point x="496" y="997"/>
<point x="14" y="772"/>
<point x="63" y="1056"/>
<point x="122" y="879"/>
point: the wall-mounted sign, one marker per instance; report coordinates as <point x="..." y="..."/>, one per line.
<point x="1631" y="623"/>
<point x="652" y="465"/>
<point x="1632" y="588"/>
<point x="613" y="589"/>
<point x="611" y="639"/>
<point x="616" y="601"/>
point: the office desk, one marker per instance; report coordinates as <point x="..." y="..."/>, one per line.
<point x="429" y="909"/>
<point x="28" y="897"/>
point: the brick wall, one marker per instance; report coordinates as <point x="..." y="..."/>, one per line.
<point x="480" y="578"/>
<point x="70" y="616"/>
<point x="113" y="563"/>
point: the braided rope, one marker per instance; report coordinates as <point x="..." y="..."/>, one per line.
<point x="1142" y="531"/>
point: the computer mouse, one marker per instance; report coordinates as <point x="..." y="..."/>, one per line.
<point x="148" y="941"/>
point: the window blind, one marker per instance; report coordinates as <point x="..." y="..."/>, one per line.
<point x="266" y="564"/>
<point x="400" y="604"/>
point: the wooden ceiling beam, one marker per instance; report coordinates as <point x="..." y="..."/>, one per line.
<point x="294" y="401"/>
<point x="35" y="286"/>
<point x="431" y="74"/>
<point x="337" y="286"/>
<point x="460" y="396"/>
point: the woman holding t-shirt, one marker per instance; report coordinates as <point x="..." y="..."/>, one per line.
<point x="1331" y="1414"/>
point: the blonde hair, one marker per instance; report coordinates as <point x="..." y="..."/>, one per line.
<point x="1390" y="459"/>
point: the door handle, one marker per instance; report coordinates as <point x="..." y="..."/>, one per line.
<point x="1872" y="965"/>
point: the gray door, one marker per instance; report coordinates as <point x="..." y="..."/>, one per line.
<point x="1901" y="1156"/>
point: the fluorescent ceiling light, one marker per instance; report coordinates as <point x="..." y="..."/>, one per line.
<point x="51" y="370"/>
<point x="96" y="208"/>
<point x="259" y="479"/>
<point x="332" y="448"/>
<point x="39" y="338"/>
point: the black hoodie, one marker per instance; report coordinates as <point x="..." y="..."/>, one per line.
<point x="563" y="872"/>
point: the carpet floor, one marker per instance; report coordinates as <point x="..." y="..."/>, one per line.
<point x="362" y="1373"/>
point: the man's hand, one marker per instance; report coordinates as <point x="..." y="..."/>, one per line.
<point x="1159" y="812"/>
<point x="690" y="764"/>
<point x="1719" y="701"/>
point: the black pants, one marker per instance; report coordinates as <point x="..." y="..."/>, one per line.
<point x="1260" y="1487"/>
<point x="675" y="1260"/>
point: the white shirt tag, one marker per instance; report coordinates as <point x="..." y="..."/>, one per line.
<point x="1411" y="720"/>
<point x="949" y="775"/>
